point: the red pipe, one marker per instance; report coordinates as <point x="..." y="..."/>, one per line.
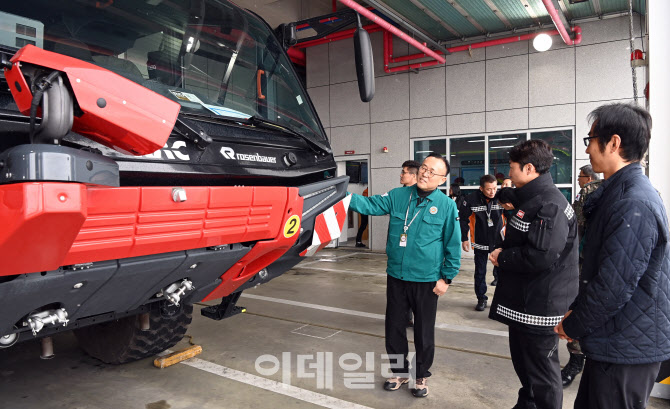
<point x="559" y="24"/>
<point x="389" y="27"/>
<point x="340" y="35"/>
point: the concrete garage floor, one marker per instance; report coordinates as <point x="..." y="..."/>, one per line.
<point x="326" y="307"/>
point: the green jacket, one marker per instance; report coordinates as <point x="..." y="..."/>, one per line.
<point x="433" y="240"/>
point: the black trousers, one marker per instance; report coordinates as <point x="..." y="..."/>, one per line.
<point x="615" y="386"/>
<point x="361" y="228"/>
<point x="481" y="258"/>
<point x="420" y="298"/>
<point x="535" y="360"/>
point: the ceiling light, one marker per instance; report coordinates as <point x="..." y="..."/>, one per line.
<point x="542" y="42"/>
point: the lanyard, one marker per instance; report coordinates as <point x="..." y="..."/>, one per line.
<point x="406" y="227"/>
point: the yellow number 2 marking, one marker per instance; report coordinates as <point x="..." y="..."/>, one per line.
<point x="292" y="226"/>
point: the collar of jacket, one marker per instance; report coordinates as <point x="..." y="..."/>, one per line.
<point x="415" y="193"/>
<point x="533" y="188"/>
<point x="609" y="185"/>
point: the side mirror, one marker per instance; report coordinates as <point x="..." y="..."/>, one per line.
<point x="365" y="70"/>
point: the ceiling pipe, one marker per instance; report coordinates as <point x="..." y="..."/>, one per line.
<point x="489" y="43"/>
<point x="392" y="29"/>
<point x="340" y="35"/>
<point x="553" y="13"/>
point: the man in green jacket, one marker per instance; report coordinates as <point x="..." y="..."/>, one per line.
<point x="424" y="254"/>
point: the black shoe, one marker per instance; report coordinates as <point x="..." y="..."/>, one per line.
<point x="481" y="305"/>
<point x="359" y="244"/>
<point x="393" y="384"/>
<point x="494" y="282"/>
<point x="421" y="388"/>
<point x="574" y="367"/>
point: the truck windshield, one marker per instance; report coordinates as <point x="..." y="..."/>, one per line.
<point x="212" y="57"/>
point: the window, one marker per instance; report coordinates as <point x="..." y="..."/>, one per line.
<point x="467" y="160"/>
<point x="471" y="157"/>
<point x="499" y="147"/>
<point x="424" y="148"/>
<point x="561" y="169"/>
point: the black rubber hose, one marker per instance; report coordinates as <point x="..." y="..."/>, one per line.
<point x="42" y="86"/>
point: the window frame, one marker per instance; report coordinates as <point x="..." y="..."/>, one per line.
<point x="486" y="135"/>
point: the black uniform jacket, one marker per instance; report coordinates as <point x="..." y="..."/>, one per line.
<point x="538" y="273"/>
<point x="474" y="212"/>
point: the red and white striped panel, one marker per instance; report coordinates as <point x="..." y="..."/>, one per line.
<point x="328" y="226"/>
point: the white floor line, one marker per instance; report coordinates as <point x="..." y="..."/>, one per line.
<point x="328" y="258"/>
<point x="449" y="327"/>
<point x="333" y="270"/>
<point x="362" y="273"/>
<point x="272" y="386"/>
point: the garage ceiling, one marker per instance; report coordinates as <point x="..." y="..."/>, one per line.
<point x="448" y="20"/>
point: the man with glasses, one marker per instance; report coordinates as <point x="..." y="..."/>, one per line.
<point x="620" y="316"/>
<point x="588" y="181"/>
<point x="481" y="219"/>
<point x="409" y="172"/>
<point x="423" y="250"/>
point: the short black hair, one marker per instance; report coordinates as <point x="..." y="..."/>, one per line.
<point x="487" y="179"/>
<point x="631" y="122"/>
<point x="455" y="189"/>
<point x="535" y="151"/>
<point x="588" y="171"/>
<point x="438" y="156"/>
<point x="412" y="165"/>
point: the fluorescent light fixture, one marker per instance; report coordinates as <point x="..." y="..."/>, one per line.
<point x="423" y="152"/>
<point x="502" y="139"/>
<point x="502" y="147"/>
<point x="542" y="42"/>
<point x="476" y="140"/>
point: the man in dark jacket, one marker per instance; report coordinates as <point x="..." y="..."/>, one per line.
<point x="621" y="316"/>
<point x="480" y="216"/>
<point x="537" y="277"/>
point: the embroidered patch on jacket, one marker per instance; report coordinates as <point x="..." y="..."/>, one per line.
<point x="569" y="212"/>
<point x="433" y="210"/>
<point x="520" y="214"/>
<point x="385" y="194"/>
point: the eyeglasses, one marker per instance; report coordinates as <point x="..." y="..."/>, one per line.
<point x="430" y="173"/>
<point x="586" y="140"/>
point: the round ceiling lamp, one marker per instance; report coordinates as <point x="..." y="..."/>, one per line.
<point x="542" y="42"/>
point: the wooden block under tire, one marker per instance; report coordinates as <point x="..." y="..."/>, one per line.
<point x="177" y="357"/>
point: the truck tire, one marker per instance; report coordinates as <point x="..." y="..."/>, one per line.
<point x="121" y="341"/>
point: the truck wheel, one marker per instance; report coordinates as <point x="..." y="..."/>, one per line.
<point x="122" y="341"/>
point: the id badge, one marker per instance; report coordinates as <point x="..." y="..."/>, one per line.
<point x="490" y="222"/>
<point x="403" y="240"/>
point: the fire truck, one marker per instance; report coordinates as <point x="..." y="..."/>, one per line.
<point x="153" y="154"/>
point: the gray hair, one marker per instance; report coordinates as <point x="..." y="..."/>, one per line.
<point x="588" y="171"/>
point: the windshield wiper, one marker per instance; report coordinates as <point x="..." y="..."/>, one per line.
<point x="316" y="145"/>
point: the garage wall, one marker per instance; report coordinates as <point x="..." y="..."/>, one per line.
<point x="503" y="88"/>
